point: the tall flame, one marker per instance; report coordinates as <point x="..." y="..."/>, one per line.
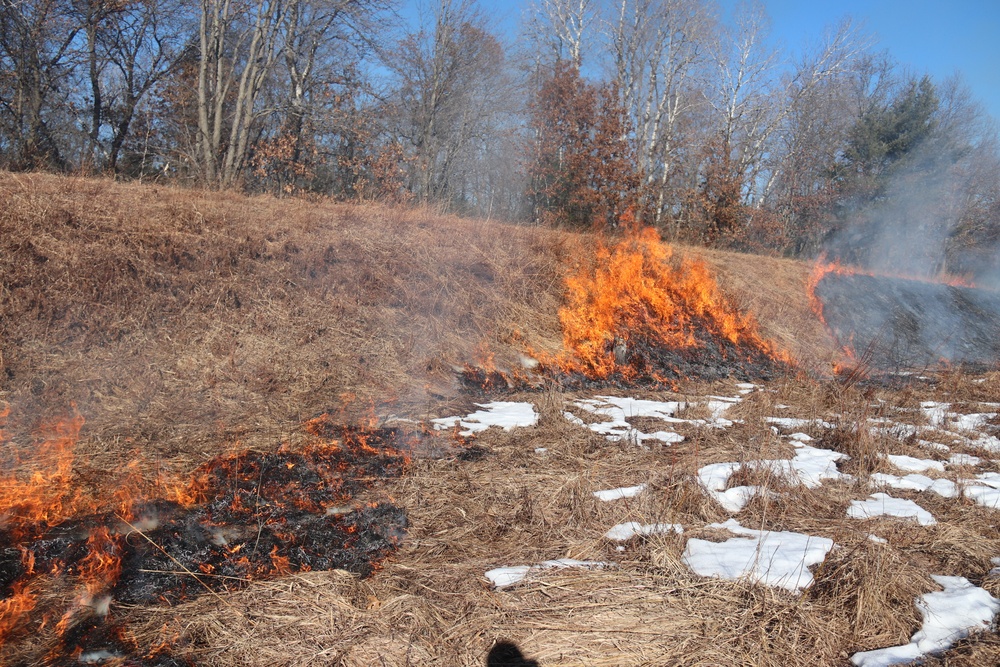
<point x="634" y="295"/>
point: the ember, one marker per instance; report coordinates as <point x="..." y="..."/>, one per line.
<point x="241" y="517"/>
<point x="636" y="316"/>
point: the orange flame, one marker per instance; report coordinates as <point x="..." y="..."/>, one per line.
<point x="48" y="495"/>
<point x="633" y="291"/>
<point x="15" y="608"/>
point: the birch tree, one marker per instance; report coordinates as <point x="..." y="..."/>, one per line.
<point x="753" y="97"/>
<point x="238" y="46"/>
<point x="560" y="27"/>
<point x="659" y="48"/>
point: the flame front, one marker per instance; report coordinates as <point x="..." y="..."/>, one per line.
<point x="854" y="362"/>
<point x="636" y="298"/>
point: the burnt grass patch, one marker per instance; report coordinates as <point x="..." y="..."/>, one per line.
<point x="898" y="323"/>
<point x="242" y="517"/>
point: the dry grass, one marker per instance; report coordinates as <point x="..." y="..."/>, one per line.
<point x="182" y="319"/>
<point x="182" y="322"/>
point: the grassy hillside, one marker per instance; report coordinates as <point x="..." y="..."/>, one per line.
<point x="180" y="319"/>
<point x="180" y="324"/>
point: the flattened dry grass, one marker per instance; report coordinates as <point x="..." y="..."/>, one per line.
<point x="431" y="604"/>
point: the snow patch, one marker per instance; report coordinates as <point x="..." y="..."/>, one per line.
<point x="505" y="414"/>
<point x="949" y="615"/>
<point x="618" y="494"/>
<point x="502" y="577"/>
<point x="626" y="531"/>
<point x="773" y="558"/>
<point x="882" y="504"/>
<point x="914" y="482"/>
<point x="911" y="464"/>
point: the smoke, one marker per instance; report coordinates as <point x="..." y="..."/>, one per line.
<point x="911" y="227"/>
<point x="904" y="227"/>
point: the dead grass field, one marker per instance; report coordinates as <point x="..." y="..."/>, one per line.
<point x="184" y="323"/>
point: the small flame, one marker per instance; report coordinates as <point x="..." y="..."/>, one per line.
<point x="48" y="495"/>
<point x="822" y="268"/>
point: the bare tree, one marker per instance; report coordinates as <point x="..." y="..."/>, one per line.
<point x="658" y="47"/>
<point x="238" y="46"/>
<point x="36" y="41"/>
<point x="561" y="27"/>
<point x="453" y="90"/>
<point x="142" y="43"/>
<point x="752" y="100"/>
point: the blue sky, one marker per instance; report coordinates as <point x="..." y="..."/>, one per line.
<point x="937" y="37"/>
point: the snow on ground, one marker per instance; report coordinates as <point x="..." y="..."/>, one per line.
<point x="964" y="460"/>
<point x="971" y="422"/>
<point x="794" y="422"/>
<point x="984" y="489"/>
<point x="498" y="413"/>
<point x="916" y="482"/>
<point x="911" y="464"/>
<point x="626" y="531"/>
<point x="619" y="409"/>
<point x="882" y="504"/>
<point x="809" y="468"/>
<point x="949" y="615"/>
<point x="508" y="576"/>
<point x="937" y="446"/>
<point x="781" y="558"/>
<point x="618" y="494"/>
<point x="774" y="558"/>
<point x="935" y="412"/>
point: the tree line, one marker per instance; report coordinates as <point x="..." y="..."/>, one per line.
<point x="661" y="112"/>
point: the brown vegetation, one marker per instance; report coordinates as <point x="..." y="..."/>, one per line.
<point x="179" y="322"/>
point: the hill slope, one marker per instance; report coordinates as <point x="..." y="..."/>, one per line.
<point x="182" y="325"/>
<point x="181" y="319"/>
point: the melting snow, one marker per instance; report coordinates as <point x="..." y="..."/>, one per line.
<point x="508" y="576"/>
<point x="910" y="464"/>
<point x="949" y="615"/>
<point x="915" y="482"/>
<point x="882" y="504"/>
<point x="964" y="460"/>
<point x="794" y="422"/>
<point x="809" y="467"/>
<point x="972" y="422"/>
<point x="618" y="494"/>
<point x="984" y="489"/>
<point x="927" y="444"/>
<point x="628" y="530"/>
<point x="619" y="409"/>
<point x="499" y="413"/>
<point x="774" y="558"/>
<point x="935" y="412"/>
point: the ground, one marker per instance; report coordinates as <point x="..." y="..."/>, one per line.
<point x="181" y="325"/>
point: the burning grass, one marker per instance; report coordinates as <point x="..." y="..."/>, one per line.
<point x="898" y="323"/>
<point x="239" y="518"/>
<point x="198" y="330"/>
<point x="634" y="316"/>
